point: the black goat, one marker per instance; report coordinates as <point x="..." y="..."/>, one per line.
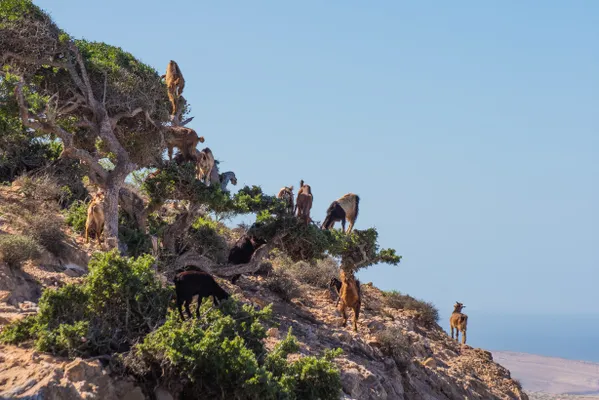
<point x="192" y="282"/>
<point x="334" y="213"/>
<point x="244" y="248"/>
<point x="336" y="285"/>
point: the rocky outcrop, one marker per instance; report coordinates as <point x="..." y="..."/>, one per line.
<point x="26" y="374"/>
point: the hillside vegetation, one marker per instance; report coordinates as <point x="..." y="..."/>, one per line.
<point x="80" y="118"/>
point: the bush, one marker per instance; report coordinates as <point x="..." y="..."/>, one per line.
<point x="19" y="331"/>
<point x="221" y="355"/>
<point x="43" y="187"/>
<point x="76" y="216"/>
<point x="428" y="312"/>
<point x="120" y="301"/>
<point x="46" y="229"/>
<point x="394" y="344"/>
<point x="282" y="284"/>
<point x="16" y="249"/>
<point x="317" y="274"/>
<point x="206" y="237"/>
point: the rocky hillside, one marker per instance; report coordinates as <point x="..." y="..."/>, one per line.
<point x="397" y="353"/>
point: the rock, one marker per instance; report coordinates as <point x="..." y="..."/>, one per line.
<point x="135" y="394"/>
<point x="74" y="271"/>
<point x="273" y="332"/>
<point x="162" y="394"/>
<point x="430" y="363"/>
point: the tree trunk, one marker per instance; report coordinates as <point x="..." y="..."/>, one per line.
<point x="111" y="214"/>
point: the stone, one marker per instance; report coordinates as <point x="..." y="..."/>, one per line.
<point x="162" y="394"/>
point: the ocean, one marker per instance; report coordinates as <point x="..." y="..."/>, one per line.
<point x="575" y="337"/>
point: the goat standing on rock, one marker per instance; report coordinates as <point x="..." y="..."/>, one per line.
<point x="193" y="282"/>
<point x="349" y="296"/>
<point x="458" y="321"/>
<point x="95" y="217"/>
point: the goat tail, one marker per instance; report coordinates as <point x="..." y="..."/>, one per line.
<point x="301" y="183"/>
<point x="357" y="206"/>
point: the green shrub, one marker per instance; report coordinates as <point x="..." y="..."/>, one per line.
<point x="206" y="236"/>
<point x="19" y="331"/>
<point x="394" y="344"/>
<point x="120" y="301"/>
<point x="428" y="312"/>
<point x="221" y="355"/>
<point x="16" y="249"/>
<point x="76" y="215"/>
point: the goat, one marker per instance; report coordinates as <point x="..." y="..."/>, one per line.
<point x="185" y="139"/>
<point x="225" y="178"/>
<point x="205" y="165"/>
<point x="286" y="194"/>
<point x="349" y="296"/>
<point x="344" y="208"/>
<point x="335" y="284"/>
<point x="95" y="217"/>
<point x="303" y="204"/>
<point x="174" y="83"/>
<point x="244" y="248"/>
<point x="458" y="321"/>
<point x="192" y="282"/>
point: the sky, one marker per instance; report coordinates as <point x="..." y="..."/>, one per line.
<point x="469" y="129"/>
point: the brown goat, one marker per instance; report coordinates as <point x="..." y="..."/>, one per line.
<point x="286" y="194"/>
<point x="95" y="217"/>
<point x="349" y="296"/>
<point x="303" y="204"/>
<point x="174" y="84"/>
<point x="458" y="321"/>
<point x="185" y="139"/>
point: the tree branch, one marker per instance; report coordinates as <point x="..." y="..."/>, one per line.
<point x="66" y="137"/>
<point x="115" y="120"/>
<point x="33" y="61"/>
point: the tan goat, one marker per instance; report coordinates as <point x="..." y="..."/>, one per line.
<point x="286" y="194"/>
<point x="342" y="209"/>
<point x="303" y="204"/>
<point x="185" y="139"/>
<point x="458" y="321"/>
<point x="205" y="165"/>
<point x="95" y="217"/>
<point x="349" y="296"/>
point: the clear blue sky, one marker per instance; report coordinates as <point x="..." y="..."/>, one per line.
<point x="469" y="129"/>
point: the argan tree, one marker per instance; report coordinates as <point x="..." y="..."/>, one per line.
<point x="106" y="107"/>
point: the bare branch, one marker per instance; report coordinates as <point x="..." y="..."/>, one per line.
<point x="90" y="93"/>
<point x="114" y="120"/>
<point x="33" y="61"/>
<point x="66" y="137"/>
<point x="187" y="121"/>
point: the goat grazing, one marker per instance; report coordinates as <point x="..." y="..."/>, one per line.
<point x="225" y="178"/>
<point x="95" y="217"/>
<point x="286" y="194"/>
<point x="192" y="282"/>
<point x="244" y="248"/>
<point x="458" y="321"/>
<point x="205" y="165"/>
<point x="349" y="296"/>
<point x="344" y="208"/>
<point x="303" y="204"/>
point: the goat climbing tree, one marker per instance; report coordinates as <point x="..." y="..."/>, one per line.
<point x="98" y="100"/>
